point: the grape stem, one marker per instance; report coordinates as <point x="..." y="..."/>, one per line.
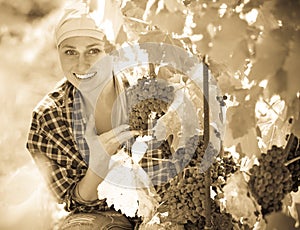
<point x="247" y="173"/>
<point x="289" y="144"/>
<point x="152" y="70"/>
<point x="292" y="161"/>
<point x="221" y="154"/>
<point x="288" y="149"/>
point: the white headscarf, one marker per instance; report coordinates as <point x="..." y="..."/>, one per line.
<point x="77" y="21"/>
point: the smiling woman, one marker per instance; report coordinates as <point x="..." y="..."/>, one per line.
<point x="72" y="137"/>
<point x="80" y="45"/>
<point x="78" y="55"/>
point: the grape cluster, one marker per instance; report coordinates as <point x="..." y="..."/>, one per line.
<point x="185" y="195"/>
<point x="187" y="155"/>
<point x="294" y="167"/>
<point x="222" y="168"/>
<point x="185" y="202"/>
<point x="271" y="180"/>
<point x="186" y="191"/>
<point x="149" y="95"/>
<point x="220" y="221"/>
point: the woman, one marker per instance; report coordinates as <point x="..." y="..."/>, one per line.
<point x="70" y="147"/>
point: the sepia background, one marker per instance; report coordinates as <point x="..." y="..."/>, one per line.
<point x="254" y="52"/>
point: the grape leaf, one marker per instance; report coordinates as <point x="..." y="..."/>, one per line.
<point x="163" y="18"/>
<point x="226" y="82"/>
<point x="203" y="17"/>
<point x="203" y="45"/>
<point x="291" y="68"/>
<point x="288" y="12"/>
<point x="113" y="17"/>
<point x="174" y="122"/>
<point x="239" y="55"/>
<point x="236" y="195"/>
<point x="289" y="207"/>
<point x="133" y="27"/>
<point x="132" y="10"/>
<point x="159" y="36"/>
<point x="269" y="113"/>
<point x="296" y="121"/>
<point x="218" y="4"/>
<point x="279" y="220"/>
<point x="122" y="36"/>
<point x="128" y="188"/>
<point x="159" y="52"/>
<point x="241" y="119"/>
<point x="293" y="209"/>
<point x="148" y="203"/>
<point x="271" y="53"/>
<point x="231" y="36"/>
<point x="173" y="6"/>
<point x="140" y="4"/>
<point x="278" y="85"/>
<point x="265" y="19"/>
<point x="248" y="143"/>
<point x="169" y="74"/>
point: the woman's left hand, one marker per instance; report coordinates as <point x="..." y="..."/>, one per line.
<point x="102" y="147"/>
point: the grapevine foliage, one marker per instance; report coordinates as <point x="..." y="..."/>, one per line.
<point x="184" y="198"/>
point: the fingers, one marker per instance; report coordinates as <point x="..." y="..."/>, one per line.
<point x="116" y="137"/>
<point x="113" y="143"/>
<point x="119" y="129"/>
<point x="125" y="136"/>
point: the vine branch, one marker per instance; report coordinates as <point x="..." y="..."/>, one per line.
<point x="208" y="224"/>
<point x="289" y="144"/>
<point x="288" y="149"/>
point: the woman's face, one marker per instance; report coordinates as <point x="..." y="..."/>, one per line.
<point x="77" y="56"/>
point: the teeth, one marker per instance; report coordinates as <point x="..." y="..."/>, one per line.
<point x="85" y="76"/>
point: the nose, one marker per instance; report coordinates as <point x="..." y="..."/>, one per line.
<point x="83" y="64"/>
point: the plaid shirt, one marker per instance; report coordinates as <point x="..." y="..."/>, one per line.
<point x="57" y="145"/>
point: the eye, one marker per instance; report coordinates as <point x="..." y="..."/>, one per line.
<point x="94" y="51"/>
<point x="70" y="52"/>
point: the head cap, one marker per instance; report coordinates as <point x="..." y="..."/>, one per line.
<point x="77" y="22"/>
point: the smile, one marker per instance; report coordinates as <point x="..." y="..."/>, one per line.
<point x="84" y="76"/>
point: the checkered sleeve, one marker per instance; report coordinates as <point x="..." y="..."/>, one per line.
<point x="58" y="160"/>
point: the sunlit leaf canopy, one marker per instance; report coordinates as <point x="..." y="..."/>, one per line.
<point x="252" y="47"/>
